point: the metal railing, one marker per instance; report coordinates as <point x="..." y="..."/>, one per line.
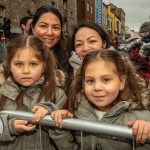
<point x="76" y="124"/>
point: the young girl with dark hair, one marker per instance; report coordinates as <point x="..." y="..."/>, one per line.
<point x="105" y="89"/>
<point x="31" y="85"/>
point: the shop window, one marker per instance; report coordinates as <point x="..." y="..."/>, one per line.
<point x="88" y="7"/>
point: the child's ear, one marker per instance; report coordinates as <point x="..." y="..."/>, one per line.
<point x="44" y="67"/>
<point x="83" y="92"/>
<point x="32" y="29"/>
<point x="83" y="83"/>
<point x="122" y="82"/>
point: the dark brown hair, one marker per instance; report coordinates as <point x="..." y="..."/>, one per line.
<point x="123" y="68"/>
<point x="43" y="53"/>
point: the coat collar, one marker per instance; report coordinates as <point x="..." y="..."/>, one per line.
<point x="11" y="90"/>
<point x="122" y="106"/>
<point x="117" y="109"/>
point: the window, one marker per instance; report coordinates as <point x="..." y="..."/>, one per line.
<point x="109" y="24"/>
<point x="53" y="3"/>
<point x="91" y="9"/>
<point x="71" y="15"/>
<point x="2" y="15"/>
<point x="65" y="4"/>
<point x="2" y="11"/>
<point x="88" y="7"/>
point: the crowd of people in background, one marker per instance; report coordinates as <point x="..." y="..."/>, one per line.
<point x="139" y="52"/>
<point x="90" y="80"/>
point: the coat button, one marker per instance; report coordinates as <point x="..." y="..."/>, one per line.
<point x="3" y="90"/>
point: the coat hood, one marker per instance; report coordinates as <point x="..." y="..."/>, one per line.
<point x="75" y="61"/>
<point x="60" y="78"/>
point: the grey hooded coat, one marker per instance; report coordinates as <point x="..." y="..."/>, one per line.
<point x="43" y="138"/>
<point x="119" y="114"/>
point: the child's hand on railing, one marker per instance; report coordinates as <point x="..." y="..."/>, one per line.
<point x="23" y="125"/>
<point x="58" y="115"/>
<point x="140" y="130"/>
<point x="39" y="112"/>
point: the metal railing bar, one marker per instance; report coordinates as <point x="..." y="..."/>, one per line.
<point x="77" y="124"/>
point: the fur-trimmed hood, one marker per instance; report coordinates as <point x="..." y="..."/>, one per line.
<point x="60" y="78"/>
<point x="145" y="96"/>
<point x="84" y="106"/>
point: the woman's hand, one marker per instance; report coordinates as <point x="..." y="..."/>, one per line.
<point x="58" y="115"/>
<point x="140" y="130"/>
<point x="39" y="112"/>
<point x="23" y="125"/>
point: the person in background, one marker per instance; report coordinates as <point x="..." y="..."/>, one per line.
<point x="103" y="91"/>
<point x="87" y="36"/>
<point x="7" y="28"/>
<point x="47" y="25"/>
<point x="25" y="24"/>
<point x="30" y="73"/>
<point x="139" y="52"/>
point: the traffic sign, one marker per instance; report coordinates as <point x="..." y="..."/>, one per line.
<point x="3" y="38"/>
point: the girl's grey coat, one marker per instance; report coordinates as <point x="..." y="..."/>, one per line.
<point x="119" y="114"/>
<point x="11" y="140"/>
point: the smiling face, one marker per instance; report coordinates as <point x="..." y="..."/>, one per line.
<point x="26" y="69"/>
<point x="102" y="84"/>
<point x="48" y="29"/>
<point x="87" y="40"/>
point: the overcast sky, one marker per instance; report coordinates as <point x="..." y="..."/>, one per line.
<point x="136" y="11"/>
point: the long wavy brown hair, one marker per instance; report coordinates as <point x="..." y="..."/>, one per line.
<point x="132" y="89"/>
<point x="42" y="53"/>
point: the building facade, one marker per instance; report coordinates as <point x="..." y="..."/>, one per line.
<point x="113" y="20"/>
<point x="105" y="17"/>
<point x="118" y="17"/>
<point x="73" y="11"/>
<point x="85" y="10"/>
<point x="110" y="27"/>
<point x="122" y="19"/>
<point x="16" y="9"/>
